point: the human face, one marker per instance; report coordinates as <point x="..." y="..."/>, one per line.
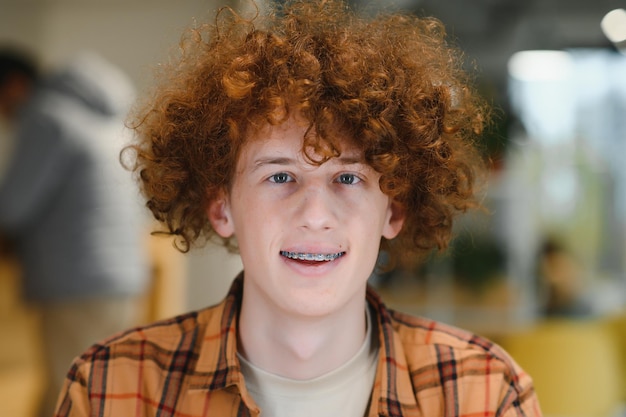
<point x="308" y="235"/>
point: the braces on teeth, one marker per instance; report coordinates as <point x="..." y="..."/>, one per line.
<point x="319" y="257"/>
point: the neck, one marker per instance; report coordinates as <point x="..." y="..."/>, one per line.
<point x="300" y="347"/>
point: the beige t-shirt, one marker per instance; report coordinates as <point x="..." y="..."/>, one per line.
<point x="344" y="391"/>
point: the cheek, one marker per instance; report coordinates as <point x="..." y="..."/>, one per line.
<point x="254" y="221"/>
<point x="376" y="209"/>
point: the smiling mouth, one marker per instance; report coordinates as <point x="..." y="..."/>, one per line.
<point x="315" y="257"/>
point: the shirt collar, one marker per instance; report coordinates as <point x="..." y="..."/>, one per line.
<point x="218" y="367"/>
<point x="392" y="386"/>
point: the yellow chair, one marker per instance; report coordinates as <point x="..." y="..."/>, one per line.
<point x="166" y="296"/>
<point x="617" y="325"/>
<point x="21" y="376"/>
<point x="575" y="365"/>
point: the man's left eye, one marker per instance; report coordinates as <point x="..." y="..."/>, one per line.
<point x="348" y="179"/>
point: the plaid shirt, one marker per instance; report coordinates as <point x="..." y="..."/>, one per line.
<point x="188" y="367"/>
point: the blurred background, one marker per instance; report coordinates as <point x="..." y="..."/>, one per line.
<point x="543" y="273"/>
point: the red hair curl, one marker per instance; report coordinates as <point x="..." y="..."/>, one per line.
<point x="393" y="83"/>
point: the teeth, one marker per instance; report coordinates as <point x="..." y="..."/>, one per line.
<point x="317" y="257"/>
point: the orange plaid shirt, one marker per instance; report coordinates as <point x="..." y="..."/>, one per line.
<point x="188" y="367"/>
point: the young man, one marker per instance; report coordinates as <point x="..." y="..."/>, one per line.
<point x="314" y="138"/>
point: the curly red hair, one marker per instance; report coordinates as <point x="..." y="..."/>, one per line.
<point x="392" y="82"/>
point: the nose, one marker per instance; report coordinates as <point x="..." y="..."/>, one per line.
<point x="317" y="208"/>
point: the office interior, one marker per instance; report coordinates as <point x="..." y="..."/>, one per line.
<point x="542" y="271"/>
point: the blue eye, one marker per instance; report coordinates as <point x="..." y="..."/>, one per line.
<point x="348" y="179"/>
<point x="280" y="178"/>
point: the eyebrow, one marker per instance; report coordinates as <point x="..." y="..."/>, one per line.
<point x="272" y="161"/>
<point x="342" y="160"/>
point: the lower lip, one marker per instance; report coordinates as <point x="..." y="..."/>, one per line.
<point x="312" y="268"/>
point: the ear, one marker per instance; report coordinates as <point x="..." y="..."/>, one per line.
<point x="220" y="216"/>
<point x="396" y="214"/>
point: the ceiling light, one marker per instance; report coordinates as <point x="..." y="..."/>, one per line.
<point x="540" y="65"/>
<point x="614" y="27"/>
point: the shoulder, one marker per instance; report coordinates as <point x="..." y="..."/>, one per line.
<point x="159" y="343"/>
<point x="428" y="345"/>
<point x="462" y="364"/>
<point x="428" y="340"/>
<point x="416" y="331"/>
<point x="149" y="364"/>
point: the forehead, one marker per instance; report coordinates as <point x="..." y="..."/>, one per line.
<point x="292" y="130"/>
<point x="296" y="139"/>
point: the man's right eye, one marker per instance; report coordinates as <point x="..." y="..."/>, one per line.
<point x="280" y="178"/>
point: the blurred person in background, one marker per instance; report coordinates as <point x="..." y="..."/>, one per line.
<point x="67" y="208"/>
<point x="561" y="281"/>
